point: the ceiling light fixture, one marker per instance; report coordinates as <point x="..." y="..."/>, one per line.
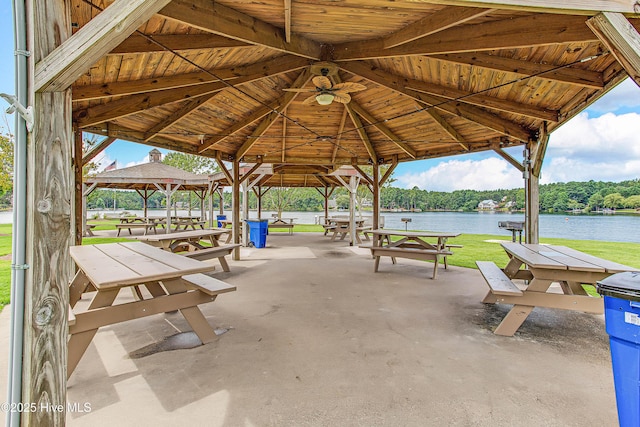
<point x="324" y="98"/>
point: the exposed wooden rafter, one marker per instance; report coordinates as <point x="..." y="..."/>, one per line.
<point x="96" y="149"/>
<point x="571" y="75"/>
<point x="580" y="7"/>
<point x="621" y="38"/>
<point x="270" y="67"/>
<point x="362" y="133"/>
<point x="266" y="123"/>
<point x="140" y="102"/>
<point x="58" y="70"/>
<point x="430" y="24"/>
<point x="469" y="112"/>
<point x="218" y="19"/>
<point x="447" y="128"/>
<point x="140" y="43"/>
<point x="525" y="31"/>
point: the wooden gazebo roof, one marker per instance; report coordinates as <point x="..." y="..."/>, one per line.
<point x="209" y="78"/>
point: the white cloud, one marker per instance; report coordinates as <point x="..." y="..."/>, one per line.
<point x="626" y="94"/>
<point x="486" y="174"/>
<point x="605" y="148"/>
<point x="145" y="159"/>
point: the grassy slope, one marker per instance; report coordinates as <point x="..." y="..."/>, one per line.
<point x="476" y="247"/>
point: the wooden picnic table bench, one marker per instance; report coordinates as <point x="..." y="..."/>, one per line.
<point x="411" y="245"/>
<point x="539" y="266"/>
<point x="173" y="282"/>
<point x="288" y="225"/>
<point x="148" y="226"/>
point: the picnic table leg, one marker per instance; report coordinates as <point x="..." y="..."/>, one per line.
<point x="78" y="343"/>
<point x="376" y="264"/>
<point x="435" y="268"/>
<point x="193" y="315"/>
<point x="224" y="264"/>
<point x="519" y="313"/>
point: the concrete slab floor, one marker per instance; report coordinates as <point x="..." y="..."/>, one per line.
<point x="315" y="338"/>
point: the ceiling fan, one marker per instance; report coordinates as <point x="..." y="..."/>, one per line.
<point x="325" y="91"/>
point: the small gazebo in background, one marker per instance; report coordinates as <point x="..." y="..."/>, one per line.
<point x="148" y="178"/>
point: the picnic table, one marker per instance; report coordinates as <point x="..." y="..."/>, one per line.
<point x="412" y="245"/>
<point x="540" y="266"/>
<point x="186" y="222"/>
<point x="282" y="223"/>
<point x="190" y="241"/>
<point x="341" y="227"/>
<point x="173" y="283"/>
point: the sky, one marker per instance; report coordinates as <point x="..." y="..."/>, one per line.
<point x="602" y="143"/>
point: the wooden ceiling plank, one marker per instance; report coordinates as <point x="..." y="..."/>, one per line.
<point x="142" y="43"/>
<point x="469" y="112"/>
<point x="569" y="75"/>
<point x="65" y="64"/>
<point x="362" y="133"/>
<point x="383" y="128"/>
<point x="525" y="31"/>
<point x="622" y="40"/>
<point x="482" y="100"/>
<point x="185" y="109"/>
<point x="266" y="123"/>
<point x="447" y="128"/>
<point x="96" y="149"/>
<point x="433" y="23"/>
<point x="268" y="68"/>
<point x="140" y="102"/>
<point x="218" y="19"/>
<point x="573" y="7"/>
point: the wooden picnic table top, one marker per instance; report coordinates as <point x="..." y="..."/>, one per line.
<point x="113" y="265"/>
<point x="425" y="234"/>
<point x="561" y="258"/>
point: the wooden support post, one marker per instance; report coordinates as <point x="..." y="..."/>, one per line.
<point x="376" y="197"/>
<point x="235" y="209"/>
<point x="50" y="225"/>
<point x="80" y="223"/>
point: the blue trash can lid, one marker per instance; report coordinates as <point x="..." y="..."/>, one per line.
<point x="621" y="285"/>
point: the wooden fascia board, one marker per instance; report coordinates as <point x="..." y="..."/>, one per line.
<point x="522" y="32"/>
<point x="266" y="123"/>
<point x="96" y="149"/>
<point x="267" y="68"/>
<point x="621" y="38"/>
<point x="568" y="75"/>
<point x="581" y="7"/>
<point x="215" y="18"/>
<point x="516" y="164"/>
<point x="362" y="133"/>
<point x="140" y="43"/>
<point x="383" y="129"/>
<point x="433" y="23"/>
<point x="64" y="65"/>
<point x="469" y="112"/>
<point x="482" y="100"/>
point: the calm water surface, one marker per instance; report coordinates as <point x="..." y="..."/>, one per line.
<point x="612" y="228"/>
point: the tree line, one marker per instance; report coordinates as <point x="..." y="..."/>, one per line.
<point x="557" y="197"/>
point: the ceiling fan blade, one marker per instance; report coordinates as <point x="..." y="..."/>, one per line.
<point x="349" y="87"/>
<point x="322" y="82"/>
<point x="310" y="100"/>
<point x="299" y="90"/>
<point x="342" y="97"/>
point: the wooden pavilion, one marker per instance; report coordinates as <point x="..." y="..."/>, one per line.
<point x="146" y="179"/>
<point x="293" y="83"/>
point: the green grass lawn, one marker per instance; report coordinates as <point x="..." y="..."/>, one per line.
<point x="483" y="247"/>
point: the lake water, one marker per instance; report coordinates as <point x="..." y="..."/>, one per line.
<point x="612" y="228"/>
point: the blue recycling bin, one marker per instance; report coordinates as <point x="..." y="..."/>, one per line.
<point x="621" y="294"/>
<point x="220" y="218"/>
<point x="258" y="229"/>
